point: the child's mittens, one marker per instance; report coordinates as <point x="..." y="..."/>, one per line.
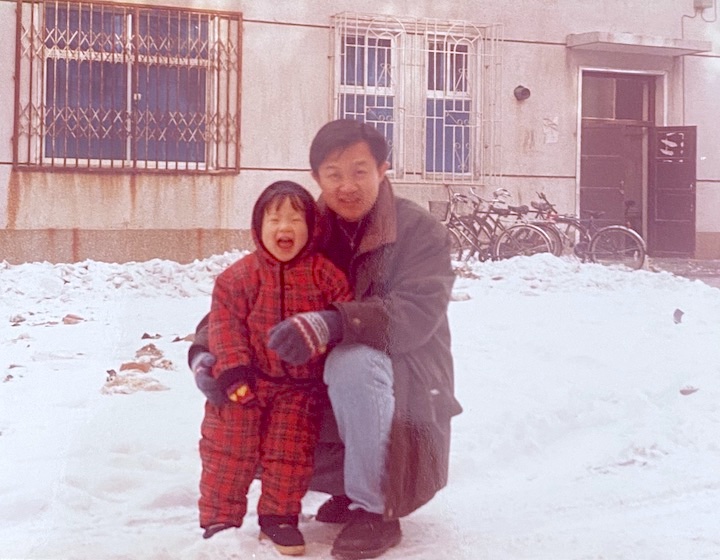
<point x="240" y="392"/>
<point x="232" y="385"/>
<point x="305" y="335"/>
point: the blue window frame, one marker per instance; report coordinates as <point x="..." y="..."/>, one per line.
<point x="171" y="117"/>
<point x="85" y="109"/>
<point x="431" y="86"/>
<point x="128" y="86"/>
<point x="447" y="136"/>
<point x="448" y="133"/>
<point x="89" y="110"/>
<point x="366" y="90"/>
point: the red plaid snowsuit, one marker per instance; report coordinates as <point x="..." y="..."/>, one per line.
<point x="279" y="429"/>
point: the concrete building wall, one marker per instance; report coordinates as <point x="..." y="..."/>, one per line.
<point x="286" y="84"/>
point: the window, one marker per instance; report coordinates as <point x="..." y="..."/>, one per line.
<point x="430" y="87"/>
<point x="366" y="91"/>
<point x="617" y="96"/>
<point x="449" y="107"/>
<point x="122" y="87"/>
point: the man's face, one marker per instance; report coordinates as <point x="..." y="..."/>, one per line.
<point x="284" y="231"/>
<point x="350" y="179"/>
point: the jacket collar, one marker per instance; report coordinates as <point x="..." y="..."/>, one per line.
<point x="382" y="220"/>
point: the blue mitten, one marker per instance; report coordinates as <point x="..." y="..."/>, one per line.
<point x="301" y="337"/>
<point x="202" y="363"/>
<point x="201" y="367"/>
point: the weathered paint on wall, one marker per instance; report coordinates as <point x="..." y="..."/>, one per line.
<point x="76" y="245"/>
<point x="37" y="200"/>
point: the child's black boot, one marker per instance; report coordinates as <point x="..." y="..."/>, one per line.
<point x="283" y="531"/>
<point x="215" y="528"/>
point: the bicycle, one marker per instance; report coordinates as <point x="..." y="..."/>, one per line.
<point x="521" y="214"/>
<point x="610" y="245"/>
<point x="481" y="232"/>
<point x="459" y="216"/>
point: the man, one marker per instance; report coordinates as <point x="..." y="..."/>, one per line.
<point x="390" y="378"/>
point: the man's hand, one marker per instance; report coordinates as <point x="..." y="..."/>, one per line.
<point x="202" y="363"/>
<point x="305" y="335"/>
<point x="202" y="370"/>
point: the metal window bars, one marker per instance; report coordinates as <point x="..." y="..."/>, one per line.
<point x="104" y="86"/>
<point x="432" y="87"/>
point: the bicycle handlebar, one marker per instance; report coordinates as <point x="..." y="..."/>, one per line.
<point x="543" y="197"/>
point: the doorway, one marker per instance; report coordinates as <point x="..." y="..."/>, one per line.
<point x="637" y="174"/>
<point x="617" y="117"/>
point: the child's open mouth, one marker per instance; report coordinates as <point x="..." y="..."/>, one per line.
<point x="285" y="243"/>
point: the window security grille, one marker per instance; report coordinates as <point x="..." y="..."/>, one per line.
<point x="432" y="87"/>
<point x="112" y="86"/>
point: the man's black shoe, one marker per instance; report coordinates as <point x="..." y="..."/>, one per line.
<point x="366" y="535"/>
<point x="334" y="510"/>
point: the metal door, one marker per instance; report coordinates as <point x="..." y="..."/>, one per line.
<point x="671" y="191"/>
<point x="612" y="171"/>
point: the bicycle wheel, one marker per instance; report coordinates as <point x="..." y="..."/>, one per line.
<point x="483" y="242"/>
<point x="460" y="247"/>
<point x="617" y="245"/>
<point x="556" y="238"/>
<point x="521" y="240"/>
<point x="455" y="245"/>
<point x="574" y="237"/>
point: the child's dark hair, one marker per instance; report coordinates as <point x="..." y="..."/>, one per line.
<point x="342" y="133"/>
<point x="275" y="194"/>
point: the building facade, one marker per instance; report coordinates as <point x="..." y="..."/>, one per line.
<point x="137" y="131"/>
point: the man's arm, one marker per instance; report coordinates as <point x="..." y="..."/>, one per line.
<point x="200" y="342"/>
<point x="419" y="282"/>
<point x="217" y="383"/>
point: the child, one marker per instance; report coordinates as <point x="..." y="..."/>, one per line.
<point x="271" y="414"/>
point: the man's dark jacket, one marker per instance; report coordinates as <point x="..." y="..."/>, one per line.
<point x="402" y="281"/>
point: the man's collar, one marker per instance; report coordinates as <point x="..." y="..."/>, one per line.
<point x="381" y="227"/>
<point x="382" y="222"/>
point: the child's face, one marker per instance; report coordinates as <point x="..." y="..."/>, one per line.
<point x="284" y="230"/>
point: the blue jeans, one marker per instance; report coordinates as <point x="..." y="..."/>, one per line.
<point x="360" y="385"/>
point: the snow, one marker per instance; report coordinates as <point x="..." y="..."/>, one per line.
<point x="591" y="427"/>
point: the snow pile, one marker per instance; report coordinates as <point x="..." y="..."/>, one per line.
<point x="590" y="427"/>
<point x="153" y="278"/>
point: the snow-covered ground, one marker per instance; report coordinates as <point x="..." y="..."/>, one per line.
<point x="591" y="427"/>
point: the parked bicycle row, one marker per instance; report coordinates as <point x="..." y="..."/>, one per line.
<point x="494" y="229"/>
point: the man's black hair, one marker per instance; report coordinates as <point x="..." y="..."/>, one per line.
<point x="275" y="194"/>
<point x="342" y="133"/>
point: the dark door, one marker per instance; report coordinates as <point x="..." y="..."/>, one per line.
<point x="671" y="191"/>
<point x="612" y="167"/>
<point x="617" y="115"/>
